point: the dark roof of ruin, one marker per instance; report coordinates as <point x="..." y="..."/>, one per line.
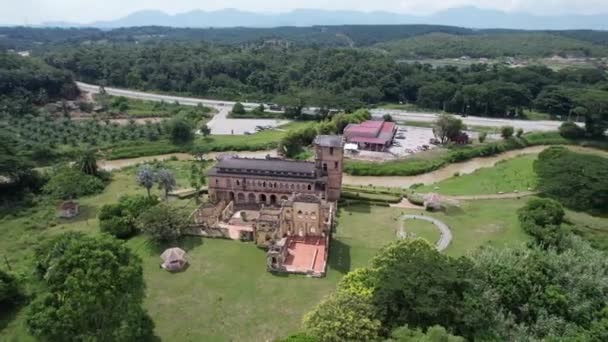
<point x="229" y="165"/>
<point x="329" y="140"/>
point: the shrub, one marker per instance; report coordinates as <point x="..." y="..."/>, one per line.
<point x="68" y="183"/>
<point x="561" y="176"/>
<point x="506" y="131"/>
<point x="9" y="289"/>
<point x="163" y="222"/>
<point x="238" y="108"/>
<point x="180" y="131"/>
<point x="571" y="130"/>
<point x="120" y="219"/>
<point x="482" y="137"/>
<point x="520" y="132"/>
<point x="415" y="198"/>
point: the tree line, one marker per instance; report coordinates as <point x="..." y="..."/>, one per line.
<point x="335" y="78"/>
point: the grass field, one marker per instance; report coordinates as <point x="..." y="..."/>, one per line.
<point x="422" y="229"/>
<point x="506" y="176"/>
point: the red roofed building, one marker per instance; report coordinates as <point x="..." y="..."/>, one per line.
<point x="371" y="135"/>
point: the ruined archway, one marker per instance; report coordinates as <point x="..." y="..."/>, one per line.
<point x="251" y="198"/>
<point x="263" y="198"/>
<point x="273" y="199"/>
<point x="240" y="197"/>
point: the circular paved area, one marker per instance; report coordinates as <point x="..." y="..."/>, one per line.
<point x="445" y="233"/>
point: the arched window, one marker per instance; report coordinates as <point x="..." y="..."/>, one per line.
<point x="309" y="187"/>
<point x="324" y="166"/>
<point x="299" y="213"/>
<point x="313" y="215"/>
<point x="264" y="184"/>
<point x="292" y="186"/>
<point x="238" y="182"/>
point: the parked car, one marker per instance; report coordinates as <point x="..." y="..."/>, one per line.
<point x="248" y="133"/>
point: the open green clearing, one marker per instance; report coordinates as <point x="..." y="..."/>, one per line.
<point x="422" y="229"/>
<point x="506" y="176"/>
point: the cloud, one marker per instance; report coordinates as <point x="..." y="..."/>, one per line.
<point x="37" y="11"/>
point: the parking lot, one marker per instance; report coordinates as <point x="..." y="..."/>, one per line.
<point x="221" y="124"/>
<point x="415" y="139"/>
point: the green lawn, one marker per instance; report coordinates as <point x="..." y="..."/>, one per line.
<point x="506" y="176"/>
<point x="422" y="229"/>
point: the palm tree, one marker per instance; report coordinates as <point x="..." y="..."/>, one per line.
<point x="166" y="181"/>
<point x="87" y="162"/>
<point x="146" y="177"/>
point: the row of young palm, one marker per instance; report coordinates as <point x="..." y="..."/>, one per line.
<point x="51" y="132"/>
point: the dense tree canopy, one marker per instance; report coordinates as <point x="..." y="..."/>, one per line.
<point x="94" y="290"/>
<point x="26" y="82"/>
<point x="577" y="180"/>
<point x="513" y="294"/>
<point x="163" y="222"/>
<point x="332" y="78"/>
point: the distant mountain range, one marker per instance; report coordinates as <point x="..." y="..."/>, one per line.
<point x="471" y="17"/>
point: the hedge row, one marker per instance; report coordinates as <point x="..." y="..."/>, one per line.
<point x="370" y="197"/>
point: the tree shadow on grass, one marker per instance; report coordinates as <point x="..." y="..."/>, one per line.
<point x="359" y="207"/>
<point x="9" y="314"/>
<point x="339" y="256"/>
<point x="186" y="243"/>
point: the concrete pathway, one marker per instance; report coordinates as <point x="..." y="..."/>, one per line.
<point x="445" y="233"/>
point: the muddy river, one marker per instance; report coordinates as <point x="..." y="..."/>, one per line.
<point x="390" y="181"/>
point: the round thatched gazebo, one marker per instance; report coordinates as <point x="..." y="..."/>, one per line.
<point x="174" y="259"/>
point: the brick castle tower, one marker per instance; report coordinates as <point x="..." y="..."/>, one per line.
<point x="329" y="158"/>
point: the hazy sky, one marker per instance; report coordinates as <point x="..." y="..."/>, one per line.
<point x="82" y="11"/>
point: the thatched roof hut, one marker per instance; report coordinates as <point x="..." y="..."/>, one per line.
<point x="68" y="209"/>
<point x="174" y="259"/>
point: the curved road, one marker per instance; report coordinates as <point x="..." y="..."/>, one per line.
<point x="133" y="94"/>
<point x="220" y="124"/>
<point x="445" y="233"/>
<point x="526" y="125"/>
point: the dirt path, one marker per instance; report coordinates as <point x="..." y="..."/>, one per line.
<point x="491" y="197"/>
<point x="445" y="233"/>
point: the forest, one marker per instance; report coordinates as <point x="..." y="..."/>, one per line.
<point x="336" y="78"/>
<point x="24" y="38"/>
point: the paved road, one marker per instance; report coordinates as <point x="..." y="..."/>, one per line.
<point x="397" y="114"/>
<point x="526" y="125"/>
<point x="445" y="233"/>
<point x="220" y="124"/>
<point x="189" y="101"/>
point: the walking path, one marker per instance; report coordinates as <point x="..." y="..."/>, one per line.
<point x="445" y="233"/>
<point x="491" y="197"/>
